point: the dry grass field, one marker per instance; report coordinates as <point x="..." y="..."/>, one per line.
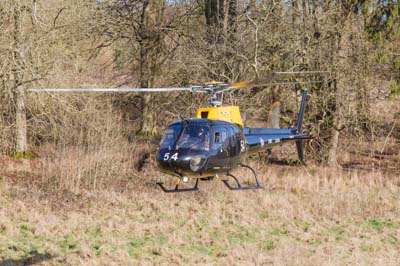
<point x="306" y="215"/>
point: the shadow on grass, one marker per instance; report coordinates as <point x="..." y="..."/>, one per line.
<point x="34" y="258"/>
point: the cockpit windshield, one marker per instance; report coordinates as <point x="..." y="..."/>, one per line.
<point x="192" y="136"/>
<point x="170" y="136"/>
<point x="195" y="137"/>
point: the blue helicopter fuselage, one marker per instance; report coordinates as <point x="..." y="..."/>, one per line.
<point x="201" y="148"/>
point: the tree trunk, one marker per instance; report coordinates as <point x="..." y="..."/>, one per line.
<point x="274" y="115"/>
<point x="214" y="13"/>
<point x="18" y="75"/>
<point x="150" y="42"/>
<point x="226" y="19"/>
<point x="295" y="13"/>
<point x="333" y="146"/>
<point x="334" y="118"/>
<point x="338" y="90"/>
<point x="21" y="139"/>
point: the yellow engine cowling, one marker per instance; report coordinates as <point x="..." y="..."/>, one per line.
<point x="229" y="114"/>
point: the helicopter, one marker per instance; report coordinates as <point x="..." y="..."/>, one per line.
<point x="215" y="141"/>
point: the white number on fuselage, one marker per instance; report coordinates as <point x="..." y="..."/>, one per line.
<point x="242" y="146"/>
<point x="173" y="157"/>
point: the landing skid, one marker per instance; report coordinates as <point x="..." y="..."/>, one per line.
<point x="239" y="186"/>
<point x="177" y="189"/>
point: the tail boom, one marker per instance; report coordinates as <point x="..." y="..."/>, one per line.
<point x="265" y="138"/>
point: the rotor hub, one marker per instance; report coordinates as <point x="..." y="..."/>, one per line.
<point x="213" y="89"/>
<point x="213" y="100"/>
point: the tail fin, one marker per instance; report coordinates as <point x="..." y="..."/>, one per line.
<point x="300" y="150"/>
<point x="297" y="129"/>
<point x="301" y="112"/>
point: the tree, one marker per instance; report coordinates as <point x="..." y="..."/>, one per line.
<point x="151" y="43"/>
<point x="18" y="80"/>
<point x="34" y="39"/>
<point x="18" y="19"/>
<point x="144" y="28"/>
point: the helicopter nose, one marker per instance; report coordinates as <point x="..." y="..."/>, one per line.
<point x="171" y="160"/>
<point x="174" y="162"/>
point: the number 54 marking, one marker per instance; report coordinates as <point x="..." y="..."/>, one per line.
<point x="173" y="157"/>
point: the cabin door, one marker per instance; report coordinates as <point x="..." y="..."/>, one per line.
<point x="220" y="148"/>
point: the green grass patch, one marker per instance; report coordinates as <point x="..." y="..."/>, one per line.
<point x="268" y="244"/>
<point x="22" y="155"/>
<point x="69" y="244"/>
<point x="23" y="244"/>
<point x="278" y="232"/>
<point x="380" y="224"/>
<point x="26" y="230"/>
<point x="22" y="247"/>
<point x="366" y="248"/>
<point x="338" y="232"/>
<point x="96" y="249"/>
<point x="94" y="236"/>
<point x="202" y="249"/>
<point x="394" y="86"/>
<point x="304" y="226"/>
<point x="314" y="242"/>
<point x="135" y="246"/>
<point x="142" y="246"/>
<point x="243" y="235"/>
<point x="263" y="214"/>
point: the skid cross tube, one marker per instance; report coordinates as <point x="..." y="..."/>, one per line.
<point x="239" y="186"/>
<point x="177" y="189"/>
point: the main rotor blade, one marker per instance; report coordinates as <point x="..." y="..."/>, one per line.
<point x="192" y="89"/>
<point x="269" y="80"/>
<point x="274" y="78"/>
<point x="254" y="84"/>
<point x="302" y="72"/>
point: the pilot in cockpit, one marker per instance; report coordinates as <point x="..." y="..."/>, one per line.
<point x="202" y="141"/>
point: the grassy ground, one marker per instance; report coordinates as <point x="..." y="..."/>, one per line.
<point x="304" y="216"/>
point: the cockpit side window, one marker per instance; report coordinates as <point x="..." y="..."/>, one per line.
<point x="219" y="137"/>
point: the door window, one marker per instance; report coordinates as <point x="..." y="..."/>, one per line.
<point x="220" y="138"/>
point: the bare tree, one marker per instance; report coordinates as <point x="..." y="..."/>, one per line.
<point x="149" y="33"/>
<point x="151" y="43"/>
<point x="30" y="49"/>
<point x="18" y="68"/>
